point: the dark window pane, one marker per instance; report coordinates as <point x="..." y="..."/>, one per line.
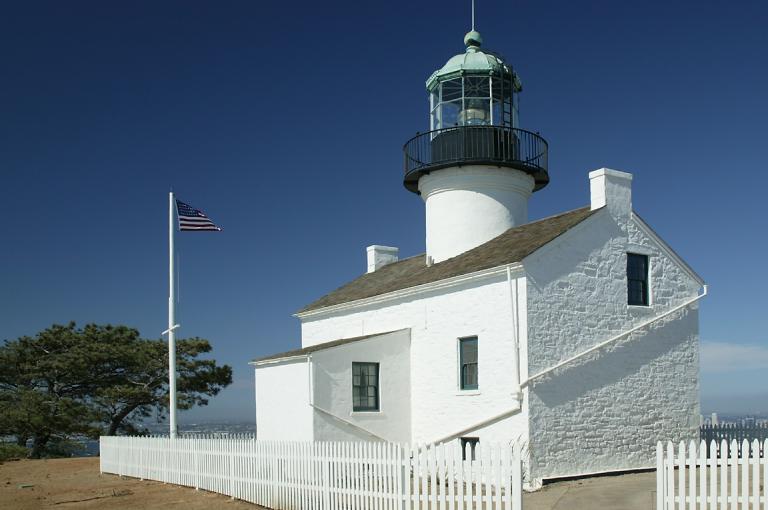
<point x="637" y="279"/>
<point x="365" y="386"/>
<point x="468" y="363"/>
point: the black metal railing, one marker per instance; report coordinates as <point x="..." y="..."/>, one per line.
<point x="730" y="432"/>
<point x="464" y="145"/>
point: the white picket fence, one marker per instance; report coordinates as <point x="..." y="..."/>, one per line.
<point x="326" y="475"/>
<point x="729" y="478"/>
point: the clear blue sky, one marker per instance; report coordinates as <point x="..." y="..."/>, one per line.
<point x="284" y="121"/>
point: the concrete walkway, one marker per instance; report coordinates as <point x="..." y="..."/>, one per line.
<point x="622" y="492"/>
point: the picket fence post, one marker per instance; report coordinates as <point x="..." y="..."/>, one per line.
<point x="731" y="477"/>
<point x="359" y="475"/>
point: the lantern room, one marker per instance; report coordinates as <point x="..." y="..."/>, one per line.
<point x="475" y="168"/>
<point x="475" y="88"/>
<point x="473" y="112"/>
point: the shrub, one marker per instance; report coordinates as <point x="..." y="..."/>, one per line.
<point x="12" y="451"/>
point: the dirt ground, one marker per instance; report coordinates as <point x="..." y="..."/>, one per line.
<point x="76" y="483"/>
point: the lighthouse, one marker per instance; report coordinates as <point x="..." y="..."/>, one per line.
<point x="475" y="168"/>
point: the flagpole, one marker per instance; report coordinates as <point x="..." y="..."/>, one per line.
<point x="171" y="319"/>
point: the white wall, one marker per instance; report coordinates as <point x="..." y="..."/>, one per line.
<point x="332" y="389"/>
<point x="470" y="205"/>
<point x="282" y="401"/>
<point x="437" y="319"/>
<point x="607" y="411"/>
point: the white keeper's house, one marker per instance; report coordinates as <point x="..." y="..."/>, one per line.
<point x="576" y="334"/>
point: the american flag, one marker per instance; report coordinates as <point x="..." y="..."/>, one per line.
<point x="193" y="219"/>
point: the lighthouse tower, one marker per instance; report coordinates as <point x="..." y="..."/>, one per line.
<point x="475" y="168"/>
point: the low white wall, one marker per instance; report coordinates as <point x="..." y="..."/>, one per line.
<point x="332" y="389"/>
<point x="282" y="401"/>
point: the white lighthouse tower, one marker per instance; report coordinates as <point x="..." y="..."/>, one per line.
<point x="475" y="168"/>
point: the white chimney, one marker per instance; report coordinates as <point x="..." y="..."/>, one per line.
<point x="380" y="256"/>
<point x="611" y="189"/>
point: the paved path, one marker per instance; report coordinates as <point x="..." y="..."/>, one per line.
<point x="622" y="492"/>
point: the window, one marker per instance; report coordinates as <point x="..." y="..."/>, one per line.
<point x="637" y="279"/>
<point x="468" y="363"/>
<point x="365" y="386"/>
<point x="472" y="442"/>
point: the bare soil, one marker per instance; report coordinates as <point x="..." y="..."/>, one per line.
<point x="76" y="483"/>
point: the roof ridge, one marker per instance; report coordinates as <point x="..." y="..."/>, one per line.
<point x="423" y="254"/>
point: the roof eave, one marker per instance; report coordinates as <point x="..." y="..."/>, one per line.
<point x="272" y="361"/>
<point x="516" y="267"/>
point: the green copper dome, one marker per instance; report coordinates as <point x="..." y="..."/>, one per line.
<point x="473" y="61"/>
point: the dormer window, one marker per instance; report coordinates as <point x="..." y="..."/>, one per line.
<point x="637" y="279"/>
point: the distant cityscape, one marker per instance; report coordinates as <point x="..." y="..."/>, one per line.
<point x="220" y="428"/>
<point x="755" y="420"/>
<point x="234" y="427"/>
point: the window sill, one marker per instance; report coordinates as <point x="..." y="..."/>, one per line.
<point x="468" y="393"/>
<point x="639" y="307"/>
<point x="366" y="413"/>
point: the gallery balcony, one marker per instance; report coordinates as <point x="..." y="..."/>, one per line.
<point x="499" y="146"/>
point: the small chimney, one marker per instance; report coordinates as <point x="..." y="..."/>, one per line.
<point x="380" y="256"/>
<point x="611" y="189"/>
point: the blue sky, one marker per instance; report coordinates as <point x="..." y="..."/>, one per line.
<point x="284" y="121"/>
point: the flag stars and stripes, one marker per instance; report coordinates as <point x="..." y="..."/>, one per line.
<point x="193" y="219"/>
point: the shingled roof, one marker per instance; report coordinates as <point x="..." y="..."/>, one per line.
<point x="512" y="246"/>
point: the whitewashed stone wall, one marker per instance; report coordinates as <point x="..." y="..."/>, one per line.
<point x="437" y="319"/>
<point x="607" y="411"/>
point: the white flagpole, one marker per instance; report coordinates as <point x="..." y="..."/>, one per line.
<point x="171" y="318"/>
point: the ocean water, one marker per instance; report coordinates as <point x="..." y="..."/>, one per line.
<point x="90" y="447"/>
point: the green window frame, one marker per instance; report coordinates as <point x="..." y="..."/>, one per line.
<point x="637" y="279"/>
<point x="468" y="368"/>
<point x="365" y="386"/>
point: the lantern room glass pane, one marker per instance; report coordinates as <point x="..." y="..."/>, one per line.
<point x="502" y="87"/>
<point x="452" y="89"/>
<point x="450" y="113"/>
<point x="476" y="112"/>
<point x="477" y="86"/>
<point x="498" y="114"/>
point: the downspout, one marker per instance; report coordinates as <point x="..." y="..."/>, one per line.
<point x="311" y="402"/>
<point x="515" y="312"/>
<point x="613" y="339"/>
<point x="516" y="390"/>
